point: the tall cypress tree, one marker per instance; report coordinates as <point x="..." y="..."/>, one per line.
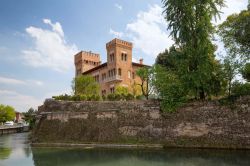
<point x="192" y="30"/>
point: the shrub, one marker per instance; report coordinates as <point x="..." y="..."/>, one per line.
<point x="83" y="97"/>
<point x="240" y="89"/>
<point x="129" y="96"/>
<point x="104" y="97"/>
<point x="111" y="97"/>
<point x="62" y="97"/>
<point x="78" y="97"/>
<point x="75" y="98"/>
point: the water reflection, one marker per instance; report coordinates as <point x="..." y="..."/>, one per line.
<point x="14" y="150"/>
<point x="4" y="153"/>
<point x="171" y="157"/>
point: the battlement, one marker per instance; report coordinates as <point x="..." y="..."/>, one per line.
<point x="86" y="60"/>
<point x="119" y="42"/>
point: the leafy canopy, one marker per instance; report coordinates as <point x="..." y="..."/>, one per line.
<point x="85" y="85"/>
<point x="7" y="113"/>
<point x="235" y="34"/>
<point x="146" y="76"/>
<point x="246" y="72"/>
<point x="192" y="30"/>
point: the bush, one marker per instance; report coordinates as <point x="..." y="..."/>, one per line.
<point x="118" y="97"/>
<point x="240" y="89"/>
<point x="77" y="97"/>
<point x="104" y="97"/>
<point x="83" y="97"/>
<point x="62" y="97"/>
<point x="140" y="97"/>
<point x="129" y="97"/>
<point x="111" y="97"/>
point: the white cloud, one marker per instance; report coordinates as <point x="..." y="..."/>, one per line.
<point x="115" y="33"/>
<point x="19" y="101"/>
<point x="148" y="31"/>
<point x="13" y="81"/>
<point x="51" y="50"/>
<point x="56" y="27"/>
<point x="118" y="6"/>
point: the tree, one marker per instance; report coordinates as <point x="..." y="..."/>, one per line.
<point x="191" y="29"/>
<point x="85" y="85"/>
<point x="235" y="34"/>
<point x="121" y="90"/>
<point x="170" y="59"/>
<point x="146" y="75"/>
<point x="246" y="72"/>
<point x="231" y="69"/>
<point x="29" y="117"/>
<point x="169" y="88"/>
<point x="7" y="113"/>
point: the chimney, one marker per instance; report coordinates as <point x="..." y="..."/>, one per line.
<point x="141" y="61"/>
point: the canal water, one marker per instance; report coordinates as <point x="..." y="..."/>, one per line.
<point x="16" y="151"/>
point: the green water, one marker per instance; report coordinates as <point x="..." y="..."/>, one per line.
<point x="15" y="150"/>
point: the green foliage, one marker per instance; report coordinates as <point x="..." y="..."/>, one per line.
<point x="85" y="85"/>
<point x="246" y="72"/>
<point x="231" y="67"/>
<point x="191" y="29"/>
<point x="121" y="90"/>
<point x="146" y="76"/>
<point x="169" y="89"/>
<point x="62" y="97"/>
<point x="235" y="33"/>
<point x="118" y="97"/>
<point x="240" y="89"/>
<point x="5" y="153"/>
<point x="83" y="97"/>
<point x="29" y="117"/>
<point x="7" y="113"/>
<point x="170" y="59"/>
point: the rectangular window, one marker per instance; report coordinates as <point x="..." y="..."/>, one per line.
<point x="129" y="74"/>
<point x="119" y="71"/>
<point x="112" y="90"/>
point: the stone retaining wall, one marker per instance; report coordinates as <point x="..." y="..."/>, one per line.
<point x="197" y="124"/>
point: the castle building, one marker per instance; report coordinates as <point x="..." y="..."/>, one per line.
<point x="119" y="70"/>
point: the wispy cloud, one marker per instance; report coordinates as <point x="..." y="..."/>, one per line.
<point x="13" y="81"/>
<point x="6" y="80"/>
<point x="115" y="33"/>
<point x="20" y="102"/>
<point x="50" y="48"/>
<point x="118" y="6"/>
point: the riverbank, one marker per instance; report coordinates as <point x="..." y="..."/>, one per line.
<point x="139" y="123"/>
<point x="15" y="150"/>
<point x="130" y="146"/>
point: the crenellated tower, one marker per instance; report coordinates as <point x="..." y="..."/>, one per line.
<point x="85" y="61"/>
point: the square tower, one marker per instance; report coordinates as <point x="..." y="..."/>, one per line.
<point x="85" y="61"/>
<point x="119" y="58"/>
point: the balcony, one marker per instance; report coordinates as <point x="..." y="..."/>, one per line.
<point x="113" y="78"/>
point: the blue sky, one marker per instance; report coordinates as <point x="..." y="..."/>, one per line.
<point x="39" y="38"/>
